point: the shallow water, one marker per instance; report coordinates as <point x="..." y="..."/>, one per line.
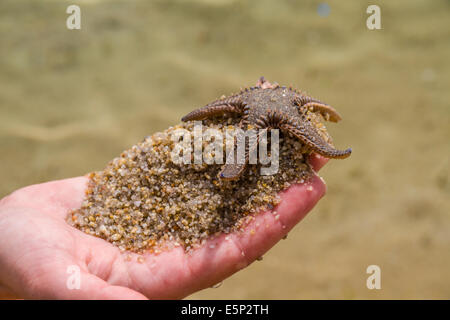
<point x="70" y="101"/>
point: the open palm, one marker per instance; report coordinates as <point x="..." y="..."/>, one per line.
<point x="38" y="248"/>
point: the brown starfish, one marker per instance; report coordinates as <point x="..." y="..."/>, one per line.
<point x="270" y="106"/>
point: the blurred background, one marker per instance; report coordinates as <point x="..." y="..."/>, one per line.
<point x="71" y="100"/>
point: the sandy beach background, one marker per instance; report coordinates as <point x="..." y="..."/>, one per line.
<point x="71" y="100"/>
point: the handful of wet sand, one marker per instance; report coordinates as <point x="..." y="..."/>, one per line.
<point x="143" y="201"/>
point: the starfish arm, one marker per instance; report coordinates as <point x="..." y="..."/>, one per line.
<point x="209" y="111"/>
<point x="307" y="102"/>
<point x="306" y="133"/>
<point x="302" y="98"/>
<point x="221" y="106"/>
<point x="328" y="112"/>
<point x="232" y="171"/>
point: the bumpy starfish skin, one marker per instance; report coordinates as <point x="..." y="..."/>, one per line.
<point x="267" y="106"/>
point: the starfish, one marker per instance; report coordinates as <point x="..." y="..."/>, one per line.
<point x="271" y="106"/>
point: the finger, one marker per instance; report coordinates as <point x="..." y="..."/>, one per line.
<point x="91" y="287"/>
<point x="236" y="251"/>
<point x="96" y="288"/>
<point x="55" y="198"/>
<point x="317" y="161"/>
<point x="63" y="280"/>
<point x="176" y="274"/>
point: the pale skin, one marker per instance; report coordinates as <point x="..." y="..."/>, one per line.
<point x="37" y="246"/>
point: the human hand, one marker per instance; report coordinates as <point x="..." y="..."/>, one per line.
<point x="37" y="246"/>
